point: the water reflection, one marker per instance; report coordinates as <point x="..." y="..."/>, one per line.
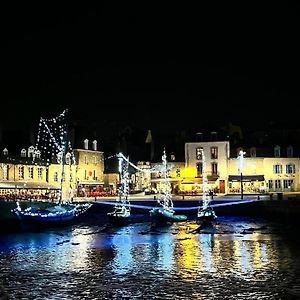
<point x="88" y="263"/>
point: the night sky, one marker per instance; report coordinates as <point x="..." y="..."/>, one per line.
<point x="129" y="64"/>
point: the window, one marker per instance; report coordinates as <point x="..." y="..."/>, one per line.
<point x="172" y="157"/>
<point x="55" y="177"/>
<point x="23" y="152"/>
<point x="271" y="184"/>
<point x="38" y="154"/>
<point x="288" y="183"/>
<point x="85" y="174"/>
<point x="290" y="169"/>
<point x="277" y="184"/>
<point x="30" y="172"/>
<point x="40" y="173"/>
<point x="277" y="169"/>
<point x="213" y="152"/>
<point x="5" y="152"/>
<point x="277" y="151"/>
<point x="21" y="171"/>
<point x="289" y="151"/>
<point x="214" y="168"/>
<point x="177" y="172"/>
<point x="59" y="157"/>
<point x="94" y="175"/>
<point x="85" y="160"/>
<point x="71" y="177"/>
<point x="199" y="152"/>
<point x="30" y="151"/>
<point x="5" y="172"/>
<point x="68" y="158"/>
<point x="95" y="160"/>
<point x="199" y="167"/>
<point x="253" y="152"/>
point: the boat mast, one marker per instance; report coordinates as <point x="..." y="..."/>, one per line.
<point x="205" y="199"/>
<point x="123" y="191"/>
<point x="165" y="197"/>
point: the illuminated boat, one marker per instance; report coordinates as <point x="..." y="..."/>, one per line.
<point x="59" y="213"/>
<point x="165" y="214"/>
<point x="54" y="132"/>
<point x="121" y="213"/>
<point x="161" y="216"/>
<point x="206" y="216"/>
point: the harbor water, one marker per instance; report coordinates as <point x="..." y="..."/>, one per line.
<point x="241" y="258"/>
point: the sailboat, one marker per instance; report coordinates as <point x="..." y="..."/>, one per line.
<point x="56" y="131"/>
<point x="206" y="215"/>
<point x="121" y="213"/>
<point x="164" y="213"/>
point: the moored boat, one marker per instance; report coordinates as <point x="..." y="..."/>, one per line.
<point x="165" y="214"/>
<point x="121" y="213"/>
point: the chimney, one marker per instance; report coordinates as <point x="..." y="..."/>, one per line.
<point x="86" y="144"/>
<point x="94" y="145"/>
<point x="199" y="137"/>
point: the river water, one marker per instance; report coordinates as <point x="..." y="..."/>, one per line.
<point x="241" y="258"/>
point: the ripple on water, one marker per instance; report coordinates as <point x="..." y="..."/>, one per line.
<point x="88" y="262"/>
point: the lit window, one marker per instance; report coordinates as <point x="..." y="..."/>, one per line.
<point x="5" y="172"/>
<point x="40" y="173"/>
<point x="21" y="171"/>
<point x="30" y="151"/>
<point x="55" y="177"/>
<point x="30" y="172"/>
<point x="213" y="152"/>
<point x="23" y="152"/>
<point x="199" y="152"/>
<point x="68" y="158"/>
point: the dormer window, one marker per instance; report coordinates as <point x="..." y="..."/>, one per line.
<point x="5" y="152"/>
<point x="253" y="152"/>
<point x="59" y="157"/>
<point x="289" y="151"/>
<point x="30" y="151"/>
<point x="23" y="152"/>
<point x="38" y="154"/>
<point x="68" y="158"/>
<point x="277" y="151"/>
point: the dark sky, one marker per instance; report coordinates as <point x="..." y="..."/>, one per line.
<point x="237" y="62"/>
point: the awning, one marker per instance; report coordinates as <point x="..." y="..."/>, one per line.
<point x="163" y="180"/>
<point x="246" y="178"/>
<point x="27" y="185"/>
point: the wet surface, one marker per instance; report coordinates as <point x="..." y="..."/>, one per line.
<point x="239" y="258"/>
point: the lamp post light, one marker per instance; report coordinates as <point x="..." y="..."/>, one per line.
<point x="241" y="165"/>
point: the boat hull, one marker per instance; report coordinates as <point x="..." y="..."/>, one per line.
<point x="161" y="216"/>
<point x="119" y="220"/>
<point x="58" y="214"/>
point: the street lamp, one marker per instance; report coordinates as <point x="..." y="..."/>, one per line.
<point x="241" y="165"/>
